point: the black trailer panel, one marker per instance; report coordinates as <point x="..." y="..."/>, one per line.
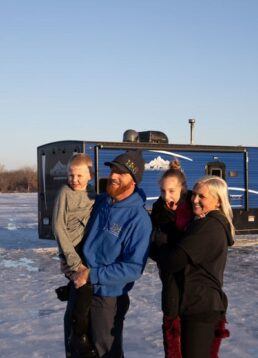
<point x="52" y="162"/>
<point x="245" y="221"/>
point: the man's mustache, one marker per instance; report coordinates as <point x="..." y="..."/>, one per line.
<point x="113" y="181"/>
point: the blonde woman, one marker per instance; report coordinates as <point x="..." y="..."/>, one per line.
<point x="202" y="253"/>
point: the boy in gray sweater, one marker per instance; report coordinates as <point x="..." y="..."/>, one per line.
<point x="71" y="213"/>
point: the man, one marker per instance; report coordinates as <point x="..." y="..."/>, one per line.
<point x="116" y="251"/>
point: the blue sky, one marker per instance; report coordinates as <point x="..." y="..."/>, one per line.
<point x="89" y="70"/>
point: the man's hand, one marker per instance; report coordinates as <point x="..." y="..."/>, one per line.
<point x="80" y="277"/>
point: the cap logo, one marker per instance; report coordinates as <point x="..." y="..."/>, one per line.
<point x="131" y="165"/>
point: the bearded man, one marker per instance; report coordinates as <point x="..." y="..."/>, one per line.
<point x="116" y="251"/>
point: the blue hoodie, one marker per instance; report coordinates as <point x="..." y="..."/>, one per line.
<point x="116" y="248"/>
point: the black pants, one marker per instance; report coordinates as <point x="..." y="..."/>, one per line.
<point x="107" y="318"/>
<point x="197" y="338"/>
<point x="77" y="320"/>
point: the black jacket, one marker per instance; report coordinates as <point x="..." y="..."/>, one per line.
<point x="172" y="224"/>
<point x="205" y="246"/>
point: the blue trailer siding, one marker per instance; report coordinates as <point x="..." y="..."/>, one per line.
<point x="194" y="166"/>
<point x="193" y="163"/>
<point x="253" y="177"/>
<point x="239" y="174"/>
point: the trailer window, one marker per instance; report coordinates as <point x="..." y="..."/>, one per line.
<point x="216" y="171"/>
<point x="216" y="168"/>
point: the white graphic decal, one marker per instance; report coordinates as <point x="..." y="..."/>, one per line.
<point x="160" y="163"/>
<point x="152" y="197"/>
<point x="241" y="189"/>
<point x="59" y="169"/>
<point x="157" y="164"/>
<point x="230" y="188"/>
<point x="172" y="154"/>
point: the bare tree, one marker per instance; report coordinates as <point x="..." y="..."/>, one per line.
<point x="21" y="180"/>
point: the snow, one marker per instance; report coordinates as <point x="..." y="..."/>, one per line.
<point x="31" y="318"/>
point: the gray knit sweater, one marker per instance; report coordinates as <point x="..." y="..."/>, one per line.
<point x="70" y="215"/>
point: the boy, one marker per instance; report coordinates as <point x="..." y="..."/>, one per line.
<point x="71" y="213"/>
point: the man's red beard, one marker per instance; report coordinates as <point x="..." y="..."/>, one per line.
<point x="114" y="192"/>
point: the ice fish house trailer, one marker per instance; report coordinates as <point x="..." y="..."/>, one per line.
<point x="236" y="164"/>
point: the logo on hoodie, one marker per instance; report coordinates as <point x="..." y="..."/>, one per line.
<point x="115" y="229"/>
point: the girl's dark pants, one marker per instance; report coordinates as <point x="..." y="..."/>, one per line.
<point x="197" y="338"/>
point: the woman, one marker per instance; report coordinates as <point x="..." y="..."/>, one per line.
<point x="202" y="254"/>
<point x="171" y="215"/>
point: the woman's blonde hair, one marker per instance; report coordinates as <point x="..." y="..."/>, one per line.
<point x="219" y="189"/>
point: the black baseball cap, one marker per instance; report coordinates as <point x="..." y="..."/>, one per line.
<point x="130" y="162"/>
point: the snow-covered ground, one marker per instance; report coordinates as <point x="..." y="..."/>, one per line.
<point x="31" y="316"/>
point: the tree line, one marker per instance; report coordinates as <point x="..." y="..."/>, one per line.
<point x="21" y="180"/>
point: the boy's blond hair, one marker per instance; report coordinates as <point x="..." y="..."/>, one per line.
<point x="80" y="159"/>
